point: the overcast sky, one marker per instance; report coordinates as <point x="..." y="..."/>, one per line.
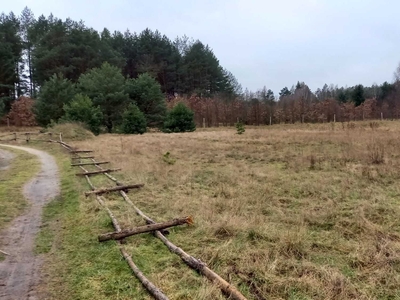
<point x="262" y="42"/>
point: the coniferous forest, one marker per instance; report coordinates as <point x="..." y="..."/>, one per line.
<point x="75" y="72"/>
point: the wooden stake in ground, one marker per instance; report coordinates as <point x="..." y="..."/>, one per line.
<point x="114" y="189"/>
<point x="142" y="229"/>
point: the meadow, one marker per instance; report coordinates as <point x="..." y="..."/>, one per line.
<point x="283" y="212"/>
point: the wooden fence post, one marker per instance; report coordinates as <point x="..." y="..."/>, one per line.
<point x="334" y="118"/>
<point x="15" y="136"/>
<point x="270" y="120"/>
<point x="28" y="137"/>
<point x="381" y="116"/>
<point x="204" y="122"/>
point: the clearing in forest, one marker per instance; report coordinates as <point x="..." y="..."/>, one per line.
<point x="288" y="211"/>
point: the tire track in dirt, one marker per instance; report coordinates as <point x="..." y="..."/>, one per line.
<point x="20" y="272"/>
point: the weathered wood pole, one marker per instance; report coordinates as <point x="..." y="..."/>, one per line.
<point x="90" y="163"/>
<point x="114" y="189"/>
<point x="97" y="172"/>
<point x="142" y="229"/>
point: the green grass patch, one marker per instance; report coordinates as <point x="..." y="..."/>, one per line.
<point x="12" y="201"/>
<point x="80" y="266"/>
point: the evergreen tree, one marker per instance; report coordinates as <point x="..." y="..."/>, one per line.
<point x="11" y="83"/>
<point x="145" y="91"/>
<point x="133" y="121"/>
<point x="201" y="72"/>
<point x="106" y="87"/>
<point x="81" y="109"/>
<point x="284" y="92"/>
<point x="357" y="96"/>
<point x="341" y="96"/>
<point x="68" y="48"/>
<point x="270" y="97"/>
<point x="54" y="94"/>
<point x="179" y="119"/>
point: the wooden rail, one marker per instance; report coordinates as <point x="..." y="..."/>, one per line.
<point x="229" y="290"/>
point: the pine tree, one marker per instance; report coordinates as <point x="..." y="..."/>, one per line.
<point x="179" y="119"/>
<point x="357" y="96"/>
<point x="54" y="94"/>
<point x="106" y="87"/>
<point x="81" y="109"/>
<point x="284" y="92"/>
<point x="145" y="91"/>
<point x="133" y="121"/>
<point x="11" y="85"/>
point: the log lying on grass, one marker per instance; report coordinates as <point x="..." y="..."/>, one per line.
<point x="142" y="229"/>
<point x="114" y="189"/>
<point x="90" y="163"/>
<point x="80" y="151"/>
<point x="191" y="261"/>
<point x="83" y="157"/>
<point x="153" y="290"/>
<point x="98" y="172"/>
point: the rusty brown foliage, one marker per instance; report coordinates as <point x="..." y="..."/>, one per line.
<point x="21" y="113"/>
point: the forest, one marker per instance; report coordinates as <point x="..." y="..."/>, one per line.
<point x="67" y="66"/>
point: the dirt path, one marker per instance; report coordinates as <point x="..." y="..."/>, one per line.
<point x="19" y="272"/>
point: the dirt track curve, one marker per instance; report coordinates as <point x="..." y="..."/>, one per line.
<point x="19" y="272"/>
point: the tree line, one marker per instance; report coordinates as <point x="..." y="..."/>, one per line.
<point x="75" y="72"/>
<point x="40" y="55"/>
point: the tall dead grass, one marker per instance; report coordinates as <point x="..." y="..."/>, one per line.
<point x="284" y="212"/>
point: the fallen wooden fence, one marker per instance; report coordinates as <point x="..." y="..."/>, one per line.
<point x="151" y="226"/>
<point x="191" y="261"/>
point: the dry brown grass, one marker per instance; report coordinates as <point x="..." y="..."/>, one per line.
<point x="286" y="212"/>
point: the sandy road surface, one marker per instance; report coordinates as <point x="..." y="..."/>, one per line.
<point x="19" y="272"/>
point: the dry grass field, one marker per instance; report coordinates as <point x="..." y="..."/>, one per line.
<point x="285" y="212"/>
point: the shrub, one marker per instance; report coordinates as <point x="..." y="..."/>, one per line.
<point x="179" y="119"/>
<point x="240" y="128"/>
<point x="81" y="109"/>
<point x="133" y="120"/>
